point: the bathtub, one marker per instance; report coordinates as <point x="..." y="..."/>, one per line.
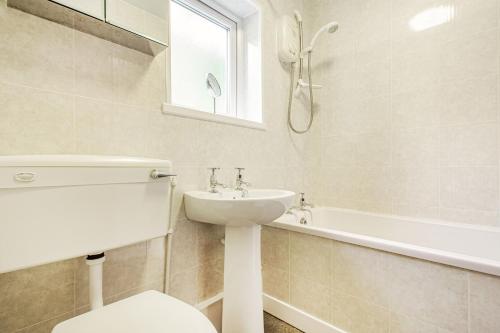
<point x="466" y="246"/>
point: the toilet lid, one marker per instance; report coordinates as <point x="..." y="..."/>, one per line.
<point x="149" y="312"/>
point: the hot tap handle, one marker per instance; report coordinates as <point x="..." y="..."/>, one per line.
<point x="213" y="170"/>
<point x="239" y="175"/>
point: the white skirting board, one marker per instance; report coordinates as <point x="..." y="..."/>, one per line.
<point x="287" y="313"/>
<point x="212" y="300"/>
<point x="297" y="318"/>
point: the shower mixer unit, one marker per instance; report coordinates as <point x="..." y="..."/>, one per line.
<point x="291" y="50"/>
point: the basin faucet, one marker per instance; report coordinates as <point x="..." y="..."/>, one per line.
<point x="240" y="184"/>
<point x="213" y="181"/>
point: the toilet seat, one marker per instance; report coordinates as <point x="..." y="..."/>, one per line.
<point x="149" y="312"/>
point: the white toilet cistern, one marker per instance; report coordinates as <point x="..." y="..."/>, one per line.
<point x="69" y="198"/>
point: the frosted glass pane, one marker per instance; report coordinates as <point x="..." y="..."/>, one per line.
<point x="198" y="47"/>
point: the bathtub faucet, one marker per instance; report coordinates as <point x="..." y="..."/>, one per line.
<point x="302" y="212"/>
<point x="303" y="205"/>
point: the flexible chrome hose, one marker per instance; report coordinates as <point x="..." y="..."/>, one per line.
<point x="311" y="97"/>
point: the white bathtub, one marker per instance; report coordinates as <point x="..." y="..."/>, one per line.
<point x="467" y="246"/>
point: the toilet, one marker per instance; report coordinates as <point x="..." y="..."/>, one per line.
<point x="149" y="312"/>
<point x="57" y="207"/>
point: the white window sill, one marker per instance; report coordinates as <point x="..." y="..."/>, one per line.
<point x="180" y="111"/>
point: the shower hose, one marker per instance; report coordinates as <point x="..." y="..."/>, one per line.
<point x="311" y="97"/>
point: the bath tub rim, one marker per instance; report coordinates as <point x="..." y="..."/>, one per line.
<point x="449" y="258"/>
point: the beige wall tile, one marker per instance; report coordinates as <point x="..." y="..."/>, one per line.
<point x="155" y="264"/>
<point x="275" y="248"/>
<point x="210" y="279"/>
<point x="433" y="293"/>
<point x="35" y="121"/>
<point x="417" y="211"/>
<point x="138" y="78"/>
<point x="93" y="126"/>
<point x="404" y="324"/>
<point x="310" y="258"/>
<point x="183" y="285"/>
<point x="125" y="269"/>
<point x="310" y="296"/>
<point x="35" y="52"/>
<point x="276" y="282"/>
<point x="47" y="326"/>
<point x="484" y="303"/>
<point x="184" y="248"/>
<point x="37" y="294"/>
<point x="355" y="115"/>
<point x="165" y="134"/>
<point x="473" y="56"/>
<point x="473" y="145"/>
<point x="360" y="272"/>
<point x="155" y="285"/>
<point x="470" y="216"/>
<point x="93" y="66"/>
<point x="214" y="313"/>
<point x="356" y="315"/>
<point x="415" y="147"/>
<point x="416" y="186"/>
<point x="471" y="101"/>
<point x="474" y="188"/>
<point x="209" y="242"/>
<point x="416" y="108"/>
<point x="374" y="78"/>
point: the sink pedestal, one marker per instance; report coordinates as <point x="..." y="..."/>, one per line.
<point x="242" y="216"/>
<point x="242" y="307"/>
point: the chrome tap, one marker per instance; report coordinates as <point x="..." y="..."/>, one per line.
<point x="303" y="211"/>
<point x="213" y="181"/>
<point x="240" y="184"/>
<point x="303" y="205"/>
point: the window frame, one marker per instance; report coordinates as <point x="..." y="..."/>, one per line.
<point x="215" y="14"/>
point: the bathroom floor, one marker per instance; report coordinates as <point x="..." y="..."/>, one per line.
<point x="274" y="325"/>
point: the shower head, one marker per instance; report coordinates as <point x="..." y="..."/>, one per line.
<point x="297" y="15"/>
<point x="330" y="28"/>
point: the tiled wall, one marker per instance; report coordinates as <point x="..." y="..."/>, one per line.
<point x="364" y="290"/>
<point x="409" y="120"/>
<point x="63" y="91"/>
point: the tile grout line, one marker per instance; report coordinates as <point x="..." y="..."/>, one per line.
<point x="44" y="321"/>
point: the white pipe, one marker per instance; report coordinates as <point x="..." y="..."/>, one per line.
<point x="95" y="282"/>
<point x="168" y="239"/>
<point x="168" y="260"/>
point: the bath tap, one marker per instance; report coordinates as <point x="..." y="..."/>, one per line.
<point x="303" y="205"/>
<point x="240" y="184"/>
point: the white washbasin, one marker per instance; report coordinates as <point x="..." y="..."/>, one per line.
<point x="230" y="208"/>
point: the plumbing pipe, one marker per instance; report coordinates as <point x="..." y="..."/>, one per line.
<point x="95" y="261"/>
<point x="168" y="239"/>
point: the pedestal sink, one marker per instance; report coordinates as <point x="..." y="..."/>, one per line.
<point x="243" y="217"/>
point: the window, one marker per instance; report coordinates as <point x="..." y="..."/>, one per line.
<point x="203" y="42"/>
<point x="219" y="39"/>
